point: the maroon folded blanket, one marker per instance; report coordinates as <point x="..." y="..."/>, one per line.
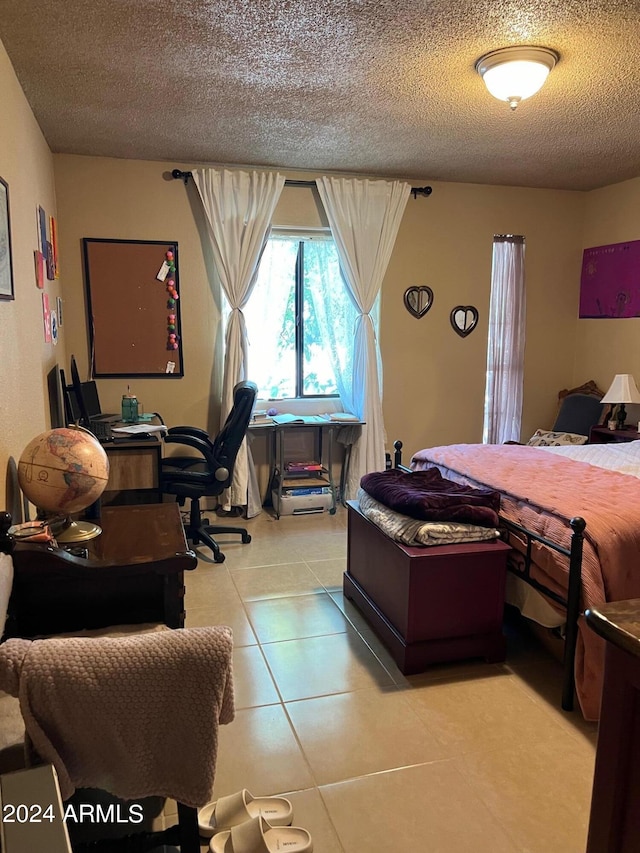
<point x="429" y="496"/>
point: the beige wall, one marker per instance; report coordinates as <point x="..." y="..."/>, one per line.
<point x="606" y="347"/>
<point x="26" y="165"/>
<point x="433" y="379"/>
<point x="134" y="200"/>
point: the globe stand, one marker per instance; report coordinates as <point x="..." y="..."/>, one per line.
<point x="77" y="531"/>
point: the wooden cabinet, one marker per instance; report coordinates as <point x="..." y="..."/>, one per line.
<point x="614" y="825"/>
<point x="133" y="574"/>
<point x="134" y="471"/>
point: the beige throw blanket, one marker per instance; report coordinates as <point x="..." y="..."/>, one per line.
<point x="135" y="716"/>
<point x="414" y="531"/>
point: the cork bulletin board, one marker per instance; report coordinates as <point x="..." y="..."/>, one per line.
<point x="133" y="307"/>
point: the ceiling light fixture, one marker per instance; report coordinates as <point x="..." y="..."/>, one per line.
<point x="512" y="74"/>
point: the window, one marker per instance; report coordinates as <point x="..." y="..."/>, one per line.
<point x="300" y="318"/>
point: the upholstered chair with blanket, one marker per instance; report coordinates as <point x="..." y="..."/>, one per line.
<point x="579" y="409"/>
<point x="132" y="711"/>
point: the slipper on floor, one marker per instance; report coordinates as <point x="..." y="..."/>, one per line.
<point x="227" y="812"/>
<point x="258" y="836"/>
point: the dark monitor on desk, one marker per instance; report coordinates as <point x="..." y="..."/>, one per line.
<point x="90" y="398"/>
<point x="82" y="405"/>
<point x="55" y="379"/>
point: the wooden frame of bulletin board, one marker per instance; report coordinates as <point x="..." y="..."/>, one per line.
<point x="129" y="307"/>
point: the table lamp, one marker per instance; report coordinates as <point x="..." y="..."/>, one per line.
<point x="623" y="390"/>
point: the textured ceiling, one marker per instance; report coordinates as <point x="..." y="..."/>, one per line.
<point x="375" y="87"/>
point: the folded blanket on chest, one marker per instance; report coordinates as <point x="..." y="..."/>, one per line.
<point x="136" y="716"/>
<point x="429" y="496"/>
<point x="414" y="531"/>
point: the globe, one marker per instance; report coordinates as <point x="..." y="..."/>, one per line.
<point x="63" y="470"/>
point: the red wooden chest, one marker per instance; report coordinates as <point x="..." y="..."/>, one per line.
<point x="430" y="604"/>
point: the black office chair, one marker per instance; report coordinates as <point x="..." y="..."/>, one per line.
<point x="195" y="477"/>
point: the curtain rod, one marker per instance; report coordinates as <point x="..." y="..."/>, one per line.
<point x="179" y="175"/>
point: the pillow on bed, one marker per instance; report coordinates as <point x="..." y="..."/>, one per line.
<point x="546" y="438"/>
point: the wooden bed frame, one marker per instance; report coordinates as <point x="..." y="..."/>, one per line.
<point x="570" y="602"/>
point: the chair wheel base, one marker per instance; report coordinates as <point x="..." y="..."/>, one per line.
<point x="218" y="557"/>
<point x="246" y="538"/>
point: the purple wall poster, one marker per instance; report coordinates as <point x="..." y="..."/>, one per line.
<point x="610" y="281"/>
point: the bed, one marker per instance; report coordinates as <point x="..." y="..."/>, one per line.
<point x="542" y="489"/>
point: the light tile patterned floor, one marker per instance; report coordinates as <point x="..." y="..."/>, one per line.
<point x="469" y="756"/>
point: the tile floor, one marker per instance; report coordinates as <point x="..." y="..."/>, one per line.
<point x="470" y="756"/>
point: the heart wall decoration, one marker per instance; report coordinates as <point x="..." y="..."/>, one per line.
<point x="418" y="300"/>
<point x="464" y="319"/>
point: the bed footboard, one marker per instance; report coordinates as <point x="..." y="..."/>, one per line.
<point x="571" y="602"/>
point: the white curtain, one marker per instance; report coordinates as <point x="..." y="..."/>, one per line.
<point x="505" y="352"/>
<point x="239" y="207"/>
<point x="364" y="217"/>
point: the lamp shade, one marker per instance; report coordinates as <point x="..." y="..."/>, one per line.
<point x="513" y="74"/>
<point x="623" y="389"/>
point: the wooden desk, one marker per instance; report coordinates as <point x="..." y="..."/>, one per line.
<point x="134" y="471"/>
<point x="614" y="825"/>
<point x="134" y="574"/>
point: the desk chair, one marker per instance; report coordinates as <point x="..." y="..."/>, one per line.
<point x="210" y="473"/>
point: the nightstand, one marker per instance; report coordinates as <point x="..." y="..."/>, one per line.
<point x="602" y="435"/>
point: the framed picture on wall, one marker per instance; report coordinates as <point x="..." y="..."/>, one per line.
<point x="6" y="269"/>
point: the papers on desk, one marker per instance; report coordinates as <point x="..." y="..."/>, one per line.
<point x="140" y="429"/>
<point x="341" y="417"/>
<point x="298" y="419"/>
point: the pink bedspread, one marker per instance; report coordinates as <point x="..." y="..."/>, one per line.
<point x="542" y="492"/>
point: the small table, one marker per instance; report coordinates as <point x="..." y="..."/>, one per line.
<point x="603" y="435"/>
<point x="276" y="455"/>
<point x="614" y="825"/>
<point x="134" y="574"/>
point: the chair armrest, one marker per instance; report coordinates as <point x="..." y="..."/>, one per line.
<point x="204" y="447"/>
<point x="195" y="432"/>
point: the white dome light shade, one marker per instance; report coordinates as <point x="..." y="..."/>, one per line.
<point x="515" y="73"/>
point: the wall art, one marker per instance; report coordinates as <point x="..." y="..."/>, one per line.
<point x="6" y="264"/>
<point x="418" y="300"/>
<point x="610" y="281"/>
<point x="464" y="319"/>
